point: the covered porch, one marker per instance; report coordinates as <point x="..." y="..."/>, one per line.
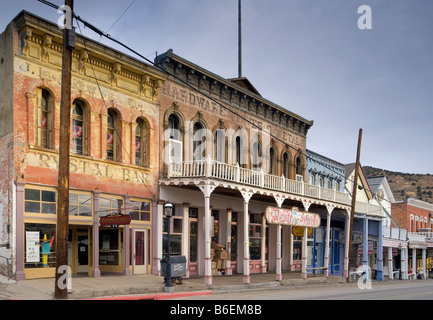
<point x="216" y="204"/>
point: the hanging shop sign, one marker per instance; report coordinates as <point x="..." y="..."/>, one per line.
<point x="115" y="220"/>
<point x="292" y="217"/>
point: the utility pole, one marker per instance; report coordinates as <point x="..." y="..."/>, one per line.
<point x="61" y="291"/>
<point x="240" y="41"/>
<point x="355" y="188"/>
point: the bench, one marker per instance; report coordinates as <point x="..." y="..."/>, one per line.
<point x="411" y="275"/>
<point x="317" y="268"/>
<point x="395" y="274"/>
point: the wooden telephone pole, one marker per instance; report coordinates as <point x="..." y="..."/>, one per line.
<point x="355" y="188"/>
<point x="61" y="291"/>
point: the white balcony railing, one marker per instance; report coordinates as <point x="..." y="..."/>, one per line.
<point x="394" y="233"/>
<point x="235" y="173"/>
<point x="421" y="236"/>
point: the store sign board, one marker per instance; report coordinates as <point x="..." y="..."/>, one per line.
<point x="292" y="217"/>
<point x="299" y="231"/>
<point x="115" y="220"/>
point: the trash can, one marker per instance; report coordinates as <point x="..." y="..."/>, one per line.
<point x="178" y="268"/>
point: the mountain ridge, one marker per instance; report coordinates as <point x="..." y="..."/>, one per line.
<point x="405" y="185"/>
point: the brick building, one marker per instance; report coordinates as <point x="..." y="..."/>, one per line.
<point x="417" y="217"/>
<point x="413" y="214"/>
<point x="229" y="154"/>
<point x="114" y="153"/>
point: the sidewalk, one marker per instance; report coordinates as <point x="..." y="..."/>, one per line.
<point x="141" y="287"/>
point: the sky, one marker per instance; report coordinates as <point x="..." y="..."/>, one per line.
<point x="308" y="56"/>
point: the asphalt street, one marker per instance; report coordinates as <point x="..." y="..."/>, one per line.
<point x="407" y="290"/>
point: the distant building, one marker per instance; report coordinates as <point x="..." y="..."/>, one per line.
<point x="417" y="216"/>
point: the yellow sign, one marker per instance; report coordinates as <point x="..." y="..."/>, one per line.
<point x="299" y="231"/>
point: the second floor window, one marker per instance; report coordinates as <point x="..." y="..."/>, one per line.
<point x="44" y="119"/>
<point x="141" y="143"/>
<point x="112" y="136"/>
<point x="78" y="128"/>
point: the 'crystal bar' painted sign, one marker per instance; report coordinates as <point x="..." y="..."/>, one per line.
<point x="292" y="217"/>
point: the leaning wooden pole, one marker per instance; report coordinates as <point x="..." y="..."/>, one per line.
<point x="62" y="230"/>
<point x="355" y="188"/>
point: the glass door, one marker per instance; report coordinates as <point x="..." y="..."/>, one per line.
<point x="83" y="252"/>
<point x="140" y="263"/>
<point x="193" y="242"/>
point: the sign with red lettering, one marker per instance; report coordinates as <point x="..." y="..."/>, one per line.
<point x="292" y="217"/>
<point x="115" y="220"/>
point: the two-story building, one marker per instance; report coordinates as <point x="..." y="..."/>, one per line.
<point x="366" y="254"/>
<point x="327" y="174"/>
<point x="114" y="162"/>
<point x="395" y="244"/>
<point x="229" y="155"/>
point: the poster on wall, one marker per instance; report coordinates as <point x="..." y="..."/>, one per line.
<point x="32" y="246"/>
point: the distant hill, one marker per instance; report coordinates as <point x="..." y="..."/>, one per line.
<point x="405" y="185"/>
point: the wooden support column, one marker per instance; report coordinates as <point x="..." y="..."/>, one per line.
<point x="247" y="196"/>
<point x="328" y="236"/>
<point x="304" y="254"/>
<point x="185" y="238"/>
<point x="207" y="190"/>
<point x="229" y="270"/>
<point x="390" y="264"/>
<point x="346" y="247"/>
<point x="96" y="272"/>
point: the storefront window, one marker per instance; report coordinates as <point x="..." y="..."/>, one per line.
<point x="110" y="244"/>
<point x="255" y="236"/>
<point x="80" y="205"/>
<point x="40" y="201"/>
<point x="140" y="210"/>
<point x="109" y="206"/>
<point x="40" y="253"/>
<point x="175" y="234"/>
<point x="297" y="248"/>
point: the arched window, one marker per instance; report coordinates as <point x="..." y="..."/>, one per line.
<point x="175" y="139"/>
<point x="199" y="142"/>
<point x="272" y="161"/>
<point x="240" y="150"/>
<point x="299" y="169"/>
<point x="113" y="136"/>
<point x="174" y="127"/>
<point x="256" y="156"/>
<point x="141" y="145"/>
<point x="79" y="128"/>
<point x="44" y="119"/>
<point x="220" y="145"/>
<point x="286" y="165"/>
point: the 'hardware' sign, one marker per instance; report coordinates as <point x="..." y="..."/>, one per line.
<point x="292" y="217"/>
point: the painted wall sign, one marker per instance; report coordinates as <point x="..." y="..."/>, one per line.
<point x="292" y="217"/>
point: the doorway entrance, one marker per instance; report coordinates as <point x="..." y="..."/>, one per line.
<point x="82" y="252"/>
<point x="139" y="260"/>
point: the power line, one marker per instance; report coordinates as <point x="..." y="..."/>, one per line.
<point x="105" y="34"/>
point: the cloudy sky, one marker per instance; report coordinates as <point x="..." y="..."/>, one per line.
<point x="308" y="56"/>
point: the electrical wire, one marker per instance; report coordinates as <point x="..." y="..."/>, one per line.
<point x="105" y="34"/>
